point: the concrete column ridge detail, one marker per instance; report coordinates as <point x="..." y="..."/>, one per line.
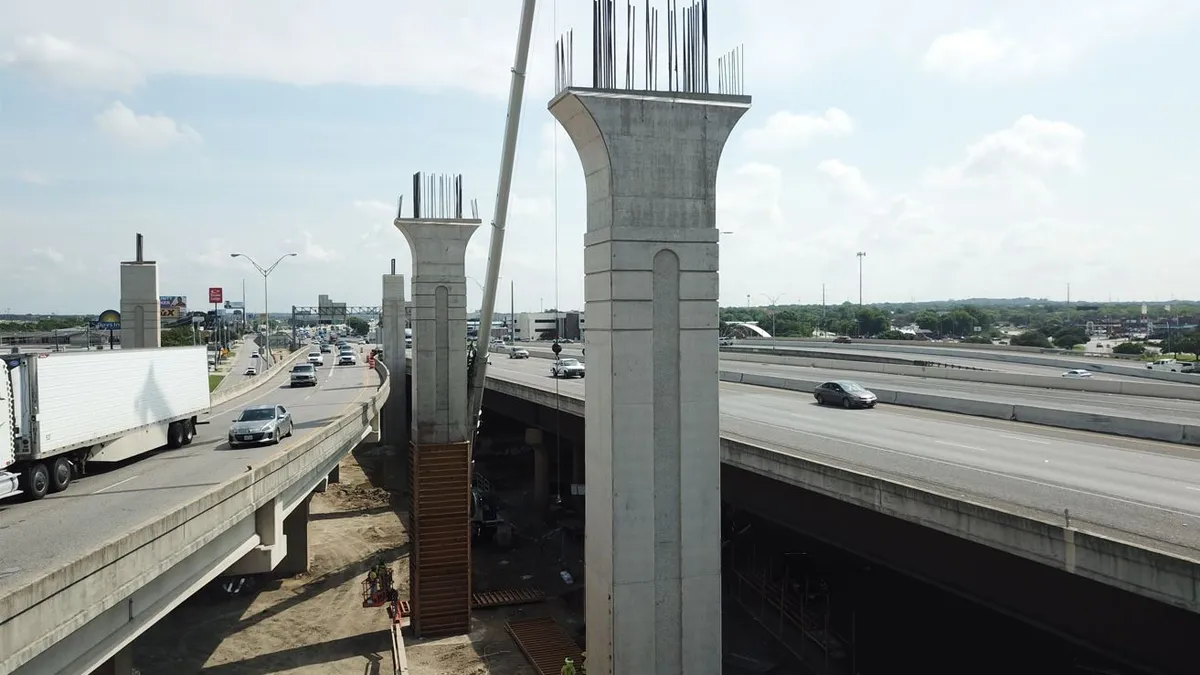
<point x="141" y="322"/>
<point x="652" y="409"/>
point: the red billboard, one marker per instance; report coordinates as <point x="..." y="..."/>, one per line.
<point x="216" y="295"/>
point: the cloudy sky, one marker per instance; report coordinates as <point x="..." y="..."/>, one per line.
<point x="970" y="147"/>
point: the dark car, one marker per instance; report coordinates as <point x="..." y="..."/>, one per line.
<point x="842" y="340"/>
<point x="844" y="393"/>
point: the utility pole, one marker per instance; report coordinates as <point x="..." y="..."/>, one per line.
<point x="822" y="308"/>
<point x="861" y="255"/>
<point x="512" y="311"/>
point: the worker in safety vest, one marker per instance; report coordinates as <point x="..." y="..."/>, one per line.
<point x="568" y="667"/>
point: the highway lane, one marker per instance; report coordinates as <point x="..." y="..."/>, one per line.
<point x="241" y="360"/>
<point x="1138" y="490"/>
<point x="1141" y="407"/>
<point x="36" y="537"/>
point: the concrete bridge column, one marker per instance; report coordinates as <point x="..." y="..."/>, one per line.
<point x="440" y="436"/>
<point x="295" y="532"/>
<point x="140" y="318"/>
<point x="272" y="542"/>
<point x="121" y="663"/>
<point x="541" y="471"/>
<point x="395" y="410"/>
<point x="653" y="564"/>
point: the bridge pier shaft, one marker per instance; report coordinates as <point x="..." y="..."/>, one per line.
<point x="120" y="663"/>
<point x="140" y="316"/>
<point x="652" y="551"/>
<point x="441" y="433"/>
<point x="395" y="411"/>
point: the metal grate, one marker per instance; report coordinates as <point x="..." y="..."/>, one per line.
<point x="544" y="643"/>
<point x="501" y="598"/>
<point x="440" y="570"/>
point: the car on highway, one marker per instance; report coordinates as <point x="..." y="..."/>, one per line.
<point x="1077" y="374"/>
<point x="567" y="368"/>
<point x="315" y="359"/>
<point x="725" y="342"/>
<point x="304" y="375"/>
<point x="251" y="371"/>
<point x="518" y="353"/>
<point x="845" y="393"/>
<point x="260" y="424"/>
<point x="842" y="340"/>
<point x="326" y="348"/>
<point x="347" y="359"/>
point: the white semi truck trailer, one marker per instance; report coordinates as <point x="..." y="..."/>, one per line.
<point x="59" y="412"/>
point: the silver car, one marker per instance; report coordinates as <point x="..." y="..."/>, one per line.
<point x="260" y="424"/>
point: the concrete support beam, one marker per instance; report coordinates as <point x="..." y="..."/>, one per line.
<point x="140" y="319"/>
<point x="335" y="476"/>
<point x="439" y="326"/>
<point x="273" y="542"/>
<point x="652" y="416"/>
<point x="295" y="532"/>
<point x="121" y="663"/>
<point x="541" y="470"/>
<point x="392" y="322"/>
<point x="440" y="450"/>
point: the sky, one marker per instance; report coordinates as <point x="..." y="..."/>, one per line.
<point x="971" y="148"/>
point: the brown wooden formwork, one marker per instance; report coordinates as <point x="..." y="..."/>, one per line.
<point x="544" y="643"/>
<point x="440" y="532"/>
<point x="507" y="596"/>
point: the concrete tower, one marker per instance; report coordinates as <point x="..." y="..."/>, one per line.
<point x="392" y="322"/>
<point x="141" y="324"/>
<point x="440" y="583"/>
<point x="653" y="549"/>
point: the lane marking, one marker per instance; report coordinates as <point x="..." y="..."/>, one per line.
<point x="1025" y="439"/>
<point x="120" y="482"/>
<point x="959" y="445"/>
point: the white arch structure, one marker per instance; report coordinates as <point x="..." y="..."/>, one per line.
<point x="751" y="326"/>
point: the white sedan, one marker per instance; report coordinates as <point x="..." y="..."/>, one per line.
<point x="1078" y="374"/>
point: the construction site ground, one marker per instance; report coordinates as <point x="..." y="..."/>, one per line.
<point x="315" y="624"/>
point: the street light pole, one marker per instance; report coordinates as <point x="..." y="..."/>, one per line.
<point x="266" y="299"/>
<point x="774" y="301"/>
<point x="861" y="255"/>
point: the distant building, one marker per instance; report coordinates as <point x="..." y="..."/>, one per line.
<point x="550" y="325"/>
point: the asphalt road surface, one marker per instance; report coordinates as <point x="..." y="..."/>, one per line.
<point x="1141" y="491"/>
<point x="36" y="537"/>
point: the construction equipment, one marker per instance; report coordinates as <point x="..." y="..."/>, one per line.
<point x="485" y="513"/>
<point x="379" y="590"/>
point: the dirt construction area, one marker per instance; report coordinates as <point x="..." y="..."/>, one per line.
<point x="314" y="623"/>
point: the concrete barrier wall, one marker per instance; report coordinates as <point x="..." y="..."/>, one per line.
<point x="1006" y="355"/>
<point x="37" y="616"/>
<point x="1066" y="419"/>
<point x="1123" y="387"/>
<point x="228" y="394"/>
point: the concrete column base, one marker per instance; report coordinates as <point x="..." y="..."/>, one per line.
<point x="541" y="471"/>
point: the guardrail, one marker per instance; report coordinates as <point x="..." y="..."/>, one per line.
<point x="225" y="395"/>
<point x="49" y="609"/>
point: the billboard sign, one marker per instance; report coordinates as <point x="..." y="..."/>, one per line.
<point x="172" y="306"/>
<point x="238" y="305"/>
<point x="216" y="295"/>
<point x="109" y="319"/>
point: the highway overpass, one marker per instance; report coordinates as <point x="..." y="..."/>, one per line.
<point x="87" y="570"/>
<point x="1089" y="535"/>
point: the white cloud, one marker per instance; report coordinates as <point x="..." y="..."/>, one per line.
<point x="847" y="181"/>
<point x="32" y="177"/>
<point x="315" y="252"/>
<point x="49" y="254"/>
<point x="982" y="53"/>
<point x="1025" y="155"/>
<point x="144" y="132"/>
<point x="789" y="131"/>
<point x="67" y="63"/>
<point x="216" y="253"/>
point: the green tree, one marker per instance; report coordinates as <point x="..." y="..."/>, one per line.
<point x="1030" y="338"/>
<point x="1068" y="337"/>
<point x="1134" y="348"/>
<point x="358" y="326"/>
<point x="177" y="337"/>
<point x="927" y="320"/>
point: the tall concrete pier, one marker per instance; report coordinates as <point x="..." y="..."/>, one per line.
<point x="440" y="576"/>
<point x="141" y="323"/>
<point x="392" y="322"/>
<point x="653" y="550"/>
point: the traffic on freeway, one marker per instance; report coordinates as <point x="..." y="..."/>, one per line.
<point x="1134" y="489"/>
<point x="44" y="535"/>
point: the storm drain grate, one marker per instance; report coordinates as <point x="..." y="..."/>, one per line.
<point x="544" y="643"/>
